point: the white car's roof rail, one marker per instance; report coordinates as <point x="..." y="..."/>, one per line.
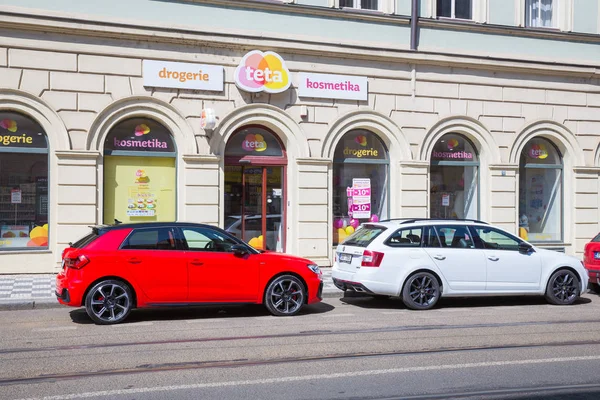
<point x="411" y="220"/>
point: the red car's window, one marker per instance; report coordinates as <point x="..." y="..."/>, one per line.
<point x="204" y="239"/>
<point x="150" y="239"/>
<point x="597" y="238"/>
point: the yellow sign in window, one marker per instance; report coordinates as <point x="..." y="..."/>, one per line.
<point x="139" y="189"/>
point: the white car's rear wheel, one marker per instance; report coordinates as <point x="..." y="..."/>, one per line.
<point x="421" y="291"/>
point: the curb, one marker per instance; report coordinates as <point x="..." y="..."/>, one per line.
<point x="41" y="304"/>
<point x="29" y="304"/>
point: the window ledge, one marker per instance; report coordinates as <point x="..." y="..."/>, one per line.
<point x="351" y="10"/>
<point x="457" y="20"/>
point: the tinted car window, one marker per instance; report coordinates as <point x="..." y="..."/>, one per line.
<point x="150" y="239"/>
<point x="455" y="236"/>
<point x="87" y="239"/>
<point x="597" y="238"/>
<point x="364" y="236"/>
<point x="410" y="237"/>
<point x="204" y="239"/>
<point x="431" y="238"/>
<point x="494" y="239"/>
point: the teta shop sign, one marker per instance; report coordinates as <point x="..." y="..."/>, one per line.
<point x="262" y="71"/>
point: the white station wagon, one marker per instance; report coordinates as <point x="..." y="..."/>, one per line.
<point x="422" y="260"/>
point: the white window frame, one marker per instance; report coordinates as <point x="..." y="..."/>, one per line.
<point x="478" y="11"/>
<point x="385" y="6"/>
<point x="562" y="21"/>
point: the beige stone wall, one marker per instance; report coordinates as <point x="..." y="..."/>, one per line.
<point x="87" y="85"/>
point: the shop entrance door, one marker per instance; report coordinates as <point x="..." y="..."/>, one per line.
<point x="255" y="205"/>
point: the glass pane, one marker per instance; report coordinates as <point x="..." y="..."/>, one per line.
<point x="151" y="239"/>
<point x="364" y="236"/>
<point x="360" y="144"/>
<point x="233" y="200"/>
<point x="455" y="237"/>
<point x="253" y="195"/>
<point x="18" y="131"/>
<point x="275" y="200"/>
<point x="406" y="238"/>
<point x="253" y="142"/>
<point x="546" y="14"/>
<point x="540" y="151"/>
<point x="207" y="240"/>
<point x="462" y="9"/>
<point x="494" y="239"/>
<point x="139" y="135"/>
<point x="139" y="189"/>
<point x="540" y="204"/>
<point x="454" y="192"/>
<point x="444" y="8"/>
<point x="23" y="200"/>
<point x="431" y="237"/>
<point x="369" y="5"/>
<point x="347" y="3"/>
<point x="360" y="194"/>
<point x="453" y="147"/>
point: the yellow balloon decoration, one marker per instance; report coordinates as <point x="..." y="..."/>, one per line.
<point x="341" y="235"/>
<point x="256" y="242"/>
<point x="349" y="230"/>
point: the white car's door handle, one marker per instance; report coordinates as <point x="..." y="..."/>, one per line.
<point x="493" y="258"/>
<point x="439" y="257"/>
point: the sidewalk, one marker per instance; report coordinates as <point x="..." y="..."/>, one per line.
<point x="25" y="292"/>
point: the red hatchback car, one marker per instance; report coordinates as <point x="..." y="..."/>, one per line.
<point x="117" y="268"/>
<point x="591" y="261"/>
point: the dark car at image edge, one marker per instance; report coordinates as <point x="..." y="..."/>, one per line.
<point x="117" y="268"/>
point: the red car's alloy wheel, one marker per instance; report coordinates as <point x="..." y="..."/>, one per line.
<point x="108" y="302"/>
<point x="285" y="295"/>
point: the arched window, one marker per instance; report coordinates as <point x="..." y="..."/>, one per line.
<point x="23" y="183"/>
<point x="255" y="180"/>
<point x="454" y="179"/>
<point x="360" y="182"/>
<point x="139" y="172"/>
<point x="540" y="191"/>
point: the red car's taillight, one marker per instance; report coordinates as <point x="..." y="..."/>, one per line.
<point x="77" y="263"/>
<point x="371" y="259"/>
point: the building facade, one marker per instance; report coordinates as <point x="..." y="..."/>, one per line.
<point x="291" y="122"/>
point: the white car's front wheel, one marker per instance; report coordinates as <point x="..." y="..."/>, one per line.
<point x="563" y="287"/>
<point x="421" y="291"/>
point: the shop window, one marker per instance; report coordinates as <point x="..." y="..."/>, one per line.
<point x="540" y="14"/>
<point x="460" y="9"/>
<point x="139" y="172"/>
<point x="360" y="182"/>
<point x="23" y="183"/>
<point x="360" y="4"/>
<point x="454" y="179"/>
<point x="540" y="192"/>
<point x="254" y="195"/>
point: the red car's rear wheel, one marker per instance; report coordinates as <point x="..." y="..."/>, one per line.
<point x="109" y="302"/>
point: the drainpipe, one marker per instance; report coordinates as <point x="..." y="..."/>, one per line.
<point x="414" y="24"/>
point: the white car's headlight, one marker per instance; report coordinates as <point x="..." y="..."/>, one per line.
<point x="314" y="268"/>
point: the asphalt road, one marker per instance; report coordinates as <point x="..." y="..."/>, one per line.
<point x="349" y="348"/>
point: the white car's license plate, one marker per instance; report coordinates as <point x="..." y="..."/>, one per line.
<point x="597" y="255"/>
<point x="346" y="258"/>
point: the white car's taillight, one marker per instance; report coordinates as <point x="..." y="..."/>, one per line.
<point x="371" y="258"/>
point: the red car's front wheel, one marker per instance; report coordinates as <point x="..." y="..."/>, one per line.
<point x="285" y="296"/>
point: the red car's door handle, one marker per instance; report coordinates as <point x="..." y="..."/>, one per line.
<point x="134" y="260"/>
<point x="196" y="263"/>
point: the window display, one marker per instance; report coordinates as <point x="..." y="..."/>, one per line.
<point x="540" y="192"/>
<point x="23" y="183"/>
<point x="360" y="182"/>
<point x="454" y="179"/>
<point x="139" y="173"/>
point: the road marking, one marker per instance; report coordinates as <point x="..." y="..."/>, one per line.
<point x="195" y="321"/>
<point x="133" y="325"/>
<point x="266" y="381"/>
<point x="394" y="312"/>
<point x="336" y="315"/>
<point x="58" y="328"/>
